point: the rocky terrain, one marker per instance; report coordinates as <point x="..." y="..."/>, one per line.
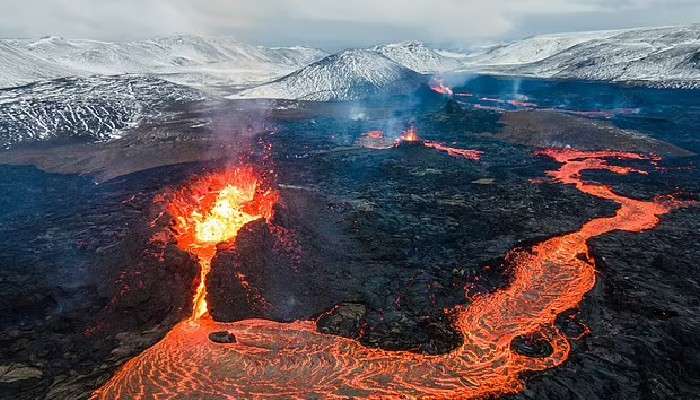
<point x="552" y="129"/>
<point x="381" y="241"/>
<point x="86" y="109"/>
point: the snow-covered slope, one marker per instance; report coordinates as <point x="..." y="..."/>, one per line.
<point x="418" y="57"/>
<point x="348" y="75"/>
<point x="658" y="56"/>
<point x="89" y="109"/>
<point x="229" y="61"/>
<point x="534" y="48"/>
<point x="18" y="66"/>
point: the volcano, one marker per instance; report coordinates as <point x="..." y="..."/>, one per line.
<point x="408" y="246"/>
<point x="211" y="210"/>
<point x="295" y="360"/>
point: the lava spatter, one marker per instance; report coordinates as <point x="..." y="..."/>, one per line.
<point x="411" y="136"/>
<point x="273" y="360"/>
<point x="438" y="85"/>
<point x="211" y="210"/>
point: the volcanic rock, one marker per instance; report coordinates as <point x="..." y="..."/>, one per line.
<point x="534" y="345"/>
<point x="245" y="277"/>
<point x="555" y="129"/>
<point x="291" y="268"/>
<point x="18" y="372"/>
<point x="222" y="337"/>
<point x="346" y="320"/>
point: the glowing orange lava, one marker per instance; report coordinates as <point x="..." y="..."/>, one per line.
<point x="410" y="135"/>
<point x="375" y="140"/>
<point x="438" y="86"/>
<point x="277" y="360"/>
<point x="454" y="152"/>
<point x="211" y="210"/>
<point x="376" y="135"/>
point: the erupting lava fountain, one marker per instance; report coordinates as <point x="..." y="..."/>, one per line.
<point x="211" y="210"/>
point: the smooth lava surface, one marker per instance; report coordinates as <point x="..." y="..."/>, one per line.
<point x="278" y="360"/>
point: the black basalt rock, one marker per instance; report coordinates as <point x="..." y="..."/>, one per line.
<point x="222" y="337"/>
<point x="346" y="320"/>
<point x="534" y="345"/>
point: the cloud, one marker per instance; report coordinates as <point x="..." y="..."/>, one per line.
<point x="318" y="22"/>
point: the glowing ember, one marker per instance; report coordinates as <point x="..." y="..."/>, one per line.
<point x="410" y="135"/>
<point x="376" y="135"/>
<point x="211" y="210"/>
<point x="375" y="140"/>
<point x="438" y="86"/>
<point x="272" y="360"/>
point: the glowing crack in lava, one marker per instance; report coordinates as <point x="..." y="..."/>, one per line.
<point x="211" y="210"/>
<point x="454" y="152"/>
<point x="273" y="360"/>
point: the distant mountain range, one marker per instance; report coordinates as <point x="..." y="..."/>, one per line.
<point x="95" y="90"/>
<point x="189" y="59"/>
<point x="662" y="57"/>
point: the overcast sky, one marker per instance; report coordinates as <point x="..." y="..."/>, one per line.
<point x="333" y="24"/>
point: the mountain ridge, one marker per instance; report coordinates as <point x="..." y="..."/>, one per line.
<point x="346" y="75"/>
<point x="226" y="58"/>
<point x="654" y="56"/>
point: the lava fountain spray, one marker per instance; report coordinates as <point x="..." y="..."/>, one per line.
<point x="211" y="210"/>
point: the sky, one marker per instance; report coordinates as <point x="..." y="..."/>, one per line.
<point x="333" y="24"/>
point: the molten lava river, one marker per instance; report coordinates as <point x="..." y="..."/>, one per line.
<point x="292" y="360"/>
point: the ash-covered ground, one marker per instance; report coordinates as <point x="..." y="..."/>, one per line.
<point x="384" y="239"/>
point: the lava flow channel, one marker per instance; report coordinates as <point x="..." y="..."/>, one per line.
<point x="411" y="136"/>
<point x="273" y="360"/>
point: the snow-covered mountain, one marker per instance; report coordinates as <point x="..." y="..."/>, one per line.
<point x="418" y="57"/>
<point x="88" y="109"/>
<point x="348" y="75"/>
<point x="211" y="60"/>
<point x="668" y="57"/>
<point x="532" y="49"/>
<point x="18" y="66"/>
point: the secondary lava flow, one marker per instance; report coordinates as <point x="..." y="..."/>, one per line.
<point x="411" y="136"/>
<point x="211" y="210"/>
<point x="273" y="360"/>
<point x="376" y="140"/>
